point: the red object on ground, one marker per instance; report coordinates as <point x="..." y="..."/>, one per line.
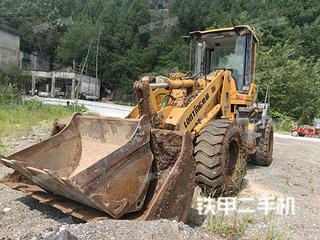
<point x="307" y="131"/>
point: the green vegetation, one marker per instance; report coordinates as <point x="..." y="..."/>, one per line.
<point x="194" y="219"/>
<point x="22" y="118"/>
<point x="12" y="79"/>
<point x="233" y="225"/>
<point x="282" y="123"/>
<point x="273" y="231"/>
<point x="67" y="29"/>
<point x="18" y="116"/>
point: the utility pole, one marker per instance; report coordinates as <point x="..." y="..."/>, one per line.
<point x="97" y="64"/>
<point x="73" y="86"/>
<point x="84" y="64"/>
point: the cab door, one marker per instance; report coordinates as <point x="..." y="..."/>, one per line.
<point x="250" y="62"/>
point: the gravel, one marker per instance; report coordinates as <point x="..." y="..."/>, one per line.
<point x="21" y="217"/>
<point x="123" y="230"/>
<point x="294" y="173"/>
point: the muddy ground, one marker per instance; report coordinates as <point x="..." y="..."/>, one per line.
<point x="294" y="173"/>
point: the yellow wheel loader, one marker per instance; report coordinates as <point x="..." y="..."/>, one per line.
<point x="195" y="128"/>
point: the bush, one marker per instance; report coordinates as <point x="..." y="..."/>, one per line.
<point x="294" y="82"/>
<point x="9" y="94"/>
<point x="32" y="105"/>
<point x="282" y="123"/>
<point x="76" y="107"/>
<point x="13" y="82"/>
<point x="11" y="74"/>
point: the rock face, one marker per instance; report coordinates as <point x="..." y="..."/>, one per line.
<point x="159" y="4"/>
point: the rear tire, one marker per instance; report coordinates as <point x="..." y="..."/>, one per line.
<point x="295" y="134"/>
<point x="220" y="158"/>
<point x="263" y="156"/>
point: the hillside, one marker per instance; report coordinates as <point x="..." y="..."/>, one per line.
<point x="288" y="32"/>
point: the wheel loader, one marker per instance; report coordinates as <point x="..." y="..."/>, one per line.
<point x="196" y="128"/>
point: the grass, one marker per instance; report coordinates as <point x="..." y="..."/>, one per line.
<point x="194" y="219"/>
<point x="230" y="225"/>
<point x="237" y="227"/>
<point x="272" y="232"/>
<point x="281" y="122"/>
<point x="16" y="119"/>
<point x="283" y="126"/>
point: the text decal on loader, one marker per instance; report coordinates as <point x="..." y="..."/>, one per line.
<point x="196" y="110"/>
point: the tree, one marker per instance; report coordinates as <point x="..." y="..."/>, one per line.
<point x="288" y="30"/>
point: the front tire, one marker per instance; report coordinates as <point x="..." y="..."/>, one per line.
<point x="220" y="157"/>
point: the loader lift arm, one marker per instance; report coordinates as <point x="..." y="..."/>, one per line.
<point x="217" y="95"/>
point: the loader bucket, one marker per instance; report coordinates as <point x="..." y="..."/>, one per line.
<point x="115" y="168"/>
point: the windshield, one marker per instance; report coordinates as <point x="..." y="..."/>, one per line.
<point x="228" y="57"/>
<point x="224" y="51"/>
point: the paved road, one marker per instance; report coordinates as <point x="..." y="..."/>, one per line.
<point x="104" y="109"/>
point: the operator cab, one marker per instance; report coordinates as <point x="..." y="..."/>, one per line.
<point x="230" y="48"/>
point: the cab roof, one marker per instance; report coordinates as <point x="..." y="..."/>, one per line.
<point x="240" y="28"/>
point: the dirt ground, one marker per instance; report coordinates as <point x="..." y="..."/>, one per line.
<point x="295" y="173"/>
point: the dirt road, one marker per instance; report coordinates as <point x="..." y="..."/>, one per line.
<point x="295" y="173"/>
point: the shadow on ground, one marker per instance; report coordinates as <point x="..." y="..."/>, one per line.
<point x="49" y="211"/>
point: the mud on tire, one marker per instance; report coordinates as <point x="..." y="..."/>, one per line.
<point x="263" y="156"/>
<point x="220" y="158"/>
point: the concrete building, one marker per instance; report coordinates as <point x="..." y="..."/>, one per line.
<point x="9" y="45"/>
<point x="45" y="81"/>
<point x="64" y="84"/>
